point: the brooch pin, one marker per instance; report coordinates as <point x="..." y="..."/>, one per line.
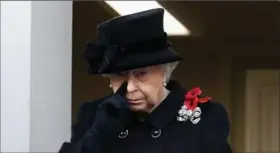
<point x="190" y="110"/>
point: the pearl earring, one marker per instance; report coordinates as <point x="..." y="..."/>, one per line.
<point x="110" y="86"/>
<point x="164" y="84"/>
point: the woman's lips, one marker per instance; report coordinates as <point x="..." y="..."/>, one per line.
<point x="134" y="101"/>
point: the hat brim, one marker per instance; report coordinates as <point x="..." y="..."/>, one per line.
<point x="140" y="60"/>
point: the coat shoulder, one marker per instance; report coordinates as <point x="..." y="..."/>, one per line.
<point x="88" y="108"/>
<point x="213" y="107"/>
<point x="216" y="125"/>
<point x="84" y="118"/>
<point x="215" y="114"/>
<point x="215" y="128"/>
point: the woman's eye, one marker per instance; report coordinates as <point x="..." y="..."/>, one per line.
<point x="140" y="73"/>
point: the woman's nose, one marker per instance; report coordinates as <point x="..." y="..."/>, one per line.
<point x="131" y="85"/>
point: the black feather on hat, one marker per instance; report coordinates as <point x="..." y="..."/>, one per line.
<point x="129" y="42"/>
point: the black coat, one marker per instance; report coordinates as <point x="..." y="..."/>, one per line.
<point x="161" y="132"/>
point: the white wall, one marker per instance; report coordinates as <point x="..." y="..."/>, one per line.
<point x="36" y="57"/>
<point x="15" y="75"/>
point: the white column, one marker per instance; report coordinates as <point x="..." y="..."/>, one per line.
<point x="15" y="76"/>
<point x="36" y="57"/>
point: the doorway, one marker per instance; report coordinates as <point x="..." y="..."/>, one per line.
<point x="262" y="110"/>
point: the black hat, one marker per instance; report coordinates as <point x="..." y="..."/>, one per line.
<point x="129" y="42"/>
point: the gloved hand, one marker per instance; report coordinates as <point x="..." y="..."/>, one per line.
<point x="112" y="116"/>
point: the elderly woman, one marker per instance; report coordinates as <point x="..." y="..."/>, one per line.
<point x="147" y="112"/>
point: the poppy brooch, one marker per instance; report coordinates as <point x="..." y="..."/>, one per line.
<point x="190" y="110"/>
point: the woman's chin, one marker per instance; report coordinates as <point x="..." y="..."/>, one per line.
<point x="137" y="107"/>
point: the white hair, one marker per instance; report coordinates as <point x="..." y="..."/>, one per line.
<point x="168" y="68"/>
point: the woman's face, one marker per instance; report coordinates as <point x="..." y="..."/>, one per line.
<point x="144" y="88"/>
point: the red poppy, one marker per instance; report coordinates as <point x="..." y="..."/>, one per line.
<point x="192" y="99"/>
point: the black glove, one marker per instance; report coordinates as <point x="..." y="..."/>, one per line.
<point x="113" y="114"/>
<point x="112" y="117"/>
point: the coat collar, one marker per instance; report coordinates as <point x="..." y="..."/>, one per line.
<point x="168" y="108"/>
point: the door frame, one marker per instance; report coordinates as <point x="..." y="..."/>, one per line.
<point x="240" y="65"/>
